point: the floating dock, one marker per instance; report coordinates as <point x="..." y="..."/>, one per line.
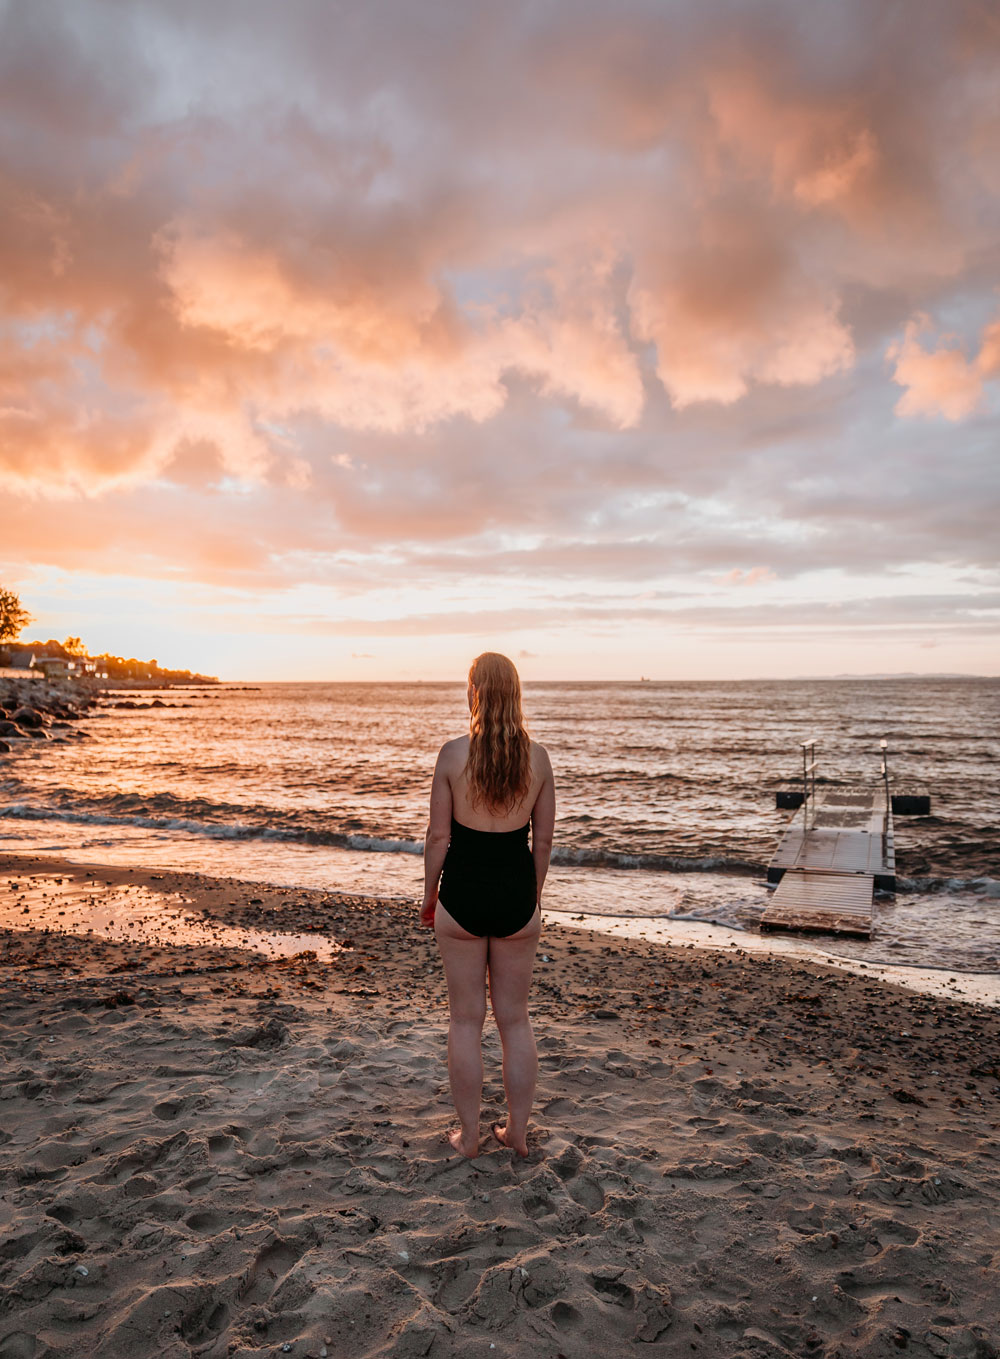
<point x="835" y="851"/>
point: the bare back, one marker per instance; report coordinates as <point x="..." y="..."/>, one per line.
<point x="480" y="817"/>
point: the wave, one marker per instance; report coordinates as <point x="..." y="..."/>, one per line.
<point x="165" y="813"/>
<point x="982" y="885"/>
<point x="564" y="856"/>
<point x="664" y="863"/>
<point x="232" y="830"/>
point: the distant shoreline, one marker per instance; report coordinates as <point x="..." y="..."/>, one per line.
<point x="528" y="681"/>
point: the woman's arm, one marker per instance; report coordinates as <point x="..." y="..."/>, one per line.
<point x="543" y="822"/>
<point x="437" y="837"/>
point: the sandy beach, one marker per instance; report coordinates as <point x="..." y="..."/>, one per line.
<point x="208" y="1151"/>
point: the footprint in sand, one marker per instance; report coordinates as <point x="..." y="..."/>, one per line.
<point x="587" y="1192"/>
<point x="223" y="1149"/>
<point x="538" y="1205"/>
<point x="169" y="1108"/>
<point x="206" y="1323"/>
<point x="458" y="1280"/>
<point x="269" y="1267"/>
<point x="17" y="1345"/>
<point x="207" y="1221"/>
<point x="63" y="1212"/>
<point x="564" y="1316"/>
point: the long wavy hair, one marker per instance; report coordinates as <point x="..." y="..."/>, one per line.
<point x="499" y="763"/>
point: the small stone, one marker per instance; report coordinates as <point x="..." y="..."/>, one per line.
<point x="82" y="1270"/>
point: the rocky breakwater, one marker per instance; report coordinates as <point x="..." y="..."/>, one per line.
<point x="131" y="703"/>
<point x="36" y="710"/>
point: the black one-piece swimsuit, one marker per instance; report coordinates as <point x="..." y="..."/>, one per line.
<point x="488" y="881"/>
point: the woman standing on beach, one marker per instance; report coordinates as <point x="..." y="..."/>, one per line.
<point x="489" y="788"/>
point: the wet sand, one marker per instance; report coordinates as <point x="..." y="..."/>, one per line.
<point x="205" y="1150"/>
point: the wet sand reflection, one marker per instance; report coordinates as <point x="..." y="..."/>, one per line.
<point x="135" y="913"/>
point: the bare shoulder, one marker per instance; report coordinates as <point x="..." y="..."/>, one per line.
<point x="453" y="754"/>
<point x="540" y="761"/>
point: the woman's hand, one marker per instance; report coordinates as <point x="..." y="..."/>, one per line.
<point x="427" y="909"/>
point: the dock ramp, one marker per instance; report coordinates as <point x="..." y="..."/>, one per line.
<point x="836" y="850"/>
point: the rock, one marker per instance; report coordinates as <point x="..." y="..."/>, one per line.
<point x="28" y="717"/>
<point x="5" y="748"/>
<point x="10" y="729"/>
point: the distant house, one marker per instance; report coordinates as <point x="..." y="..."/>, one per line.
<point x="56" y="667"/>
<point x="21" y="660"/>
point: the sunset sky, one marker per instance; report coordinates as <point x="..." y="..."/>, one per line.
<point x="345" y="341"/>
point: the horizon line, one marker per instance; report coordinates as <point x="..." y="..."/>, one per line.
<point x="703" y="679"/>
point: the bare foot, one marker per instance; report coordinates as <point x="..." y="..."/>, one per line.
<point x="505" y="1139"/>
<point x="465" y="1146"/>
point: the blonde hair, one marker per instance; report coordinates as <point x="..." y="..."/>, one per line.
<point x="499" y="763"/>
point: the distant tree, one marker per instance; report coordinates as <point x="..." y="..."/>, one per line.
<point x="50" y="648"/>
<point x="13" y="616"/>
<point x="74" y="647"/>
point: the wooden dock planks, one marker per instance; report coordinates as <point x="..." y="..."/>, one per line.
<point x="835" y="903"/>
<point x="831" y="858"/>
<point x="848" y="832"/>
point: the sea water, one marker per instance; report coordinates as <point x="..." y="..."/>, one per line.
<point x="666" y="793"/>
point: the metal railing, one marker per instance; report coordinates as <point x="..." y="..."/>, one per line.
<point x="884" y="747"/>
<point x="808" y="781"/>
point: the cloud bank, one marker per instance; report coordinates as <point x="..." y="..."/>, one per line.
<point x="315" y="295"/>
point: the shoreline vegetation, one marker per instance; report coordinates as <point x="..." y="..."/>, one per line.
<point x="207" y="1151"/>
<point x="70" y="659"/>
<point x="34" y="659"/>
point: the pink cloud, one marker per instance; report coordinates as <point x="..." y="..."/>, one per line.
<point x="756" y="575"/>
<point x="732" y="305"/>
<point x="943" y="380"/>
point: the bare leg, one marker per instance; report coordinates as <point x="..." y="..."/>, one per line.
<point x="511" y="962"/>
<point x="464" y="957"/>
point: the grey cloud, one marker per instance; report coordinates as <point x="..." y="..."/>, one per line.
<point x="974" y="615"/>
